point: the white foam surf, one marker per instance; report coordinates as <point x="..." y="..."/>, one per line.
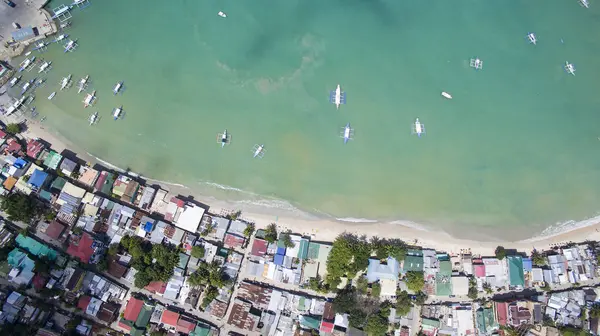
<point x="564" y="227"/>
<point x="356" y="220"/>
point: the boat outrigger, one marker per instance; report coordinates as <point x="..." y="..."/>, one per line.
<point x="64" y="83"/>
<point x="14" y="81"/>
<point x="39" y="82"/>
<point x="259" y="151"/>
<point x="45" y="67"/>
<point x="418" y="128"/>
<point x="65" y="25"/>
<point x="446" y="95"/>
<point x="15" y="106"/>
<point x="61" y="37"/>
<point x="93" y="118"/>
<point x="27" y="63"/>
<point x="222" y="14"/>
<point x="89" y="99"/>
<point x="347" y="133"/>
<point x="26" y="86"/>
<point x="337" y="97"/>
<point x="584" y="3"/>
<point x="224" y="138"/>
<point x="118" y="87"/>
<point x="83" y="83"/>
<point x="570" y="68"/>
<point x="532" y="39"/>
<point x="476" y="63"/>
<point x="117" y="112"/>
<point x="41" y="46"/>
<point x="52" y="95"/>
<point x="71" y="45"/>
<point x="81" y="3"/>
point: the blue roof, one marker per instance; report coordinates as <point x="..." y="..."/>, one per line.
<point x="20" y="163"/>
<point x="278" y="260"/>
<point x="23" y="34"/>
<point x="148" y="226"/>
<point x="377" y="270"/>
<point x="37" y="178"/>
<point x="527" y="265"/>
<point x="281" y="250"/>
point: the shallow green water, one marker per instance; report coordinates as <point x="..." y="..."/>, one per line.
<point x="516" y="147"/>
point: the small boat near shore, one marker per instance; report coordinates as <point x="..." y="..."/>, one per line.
<point x="52" y="95"/>
<point x="337" y="97"/>
<point x="584" y="3"/>
<point x="224" y="138"/>
<point x="418" y="128"/>
<point x="60" y="37"/>
<point x="259" y="151"/>
<point x="570" y="68"/>
<point x="26" y="86"/>
<point x="476" y="63"/>
<point x="40" y="46"/>
<point x="93" y="118"/>
<point x="222" y="14"/>
<point x="446" y="95"/>
<point x="118" y="87"/>
<point x="65" y="25"/>
<point x="532" y="38"/>
<point x="44" y="66"/>
<point x="26" y="63"/>
<point x="71" y="45"/>
<point x="30" y="99"/>
<point x="64" y="83"/>
<point x="14" y="81"/>
<point x="83" y="83"/>
<point x="89" y="99"/>
<point x="117" y="112"/>
<point x="347" y="133"/>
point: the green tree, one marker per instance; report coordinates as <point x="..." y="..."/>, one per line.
<point x="13" y="128"/>
<point x="357" y="318"/>
<point x="487" y="288"/>
<point x="500" y="252"/>
<point x="42" y="265"/>
<point x="595" y="311"/>
<point x="271" y="233"/>
<point x="287" y="239"/>
<point x="209" y="295"/>
<point x="207" y="229"/>
<point x="571" y="331"/>
<point x="376" y="289"/>
<point x="473" y="293"/>
<point x="397" y="249"/>
<point x="377" y="325"/>
<point x="403" y="303"/>
<point x="344" y="301"/>
<point x="102" y="265"/>
<point x="20" y="207"/>
<point x="142" y="279"/>
<point x="362" y="284"/>
<point x="113" y="249"/>
<point x="415" y="281"/>
<point x="537" y="258"/>
<point x="198" y="252"/>
<point x="249" y="230"/>
<point x="420" y="298"/>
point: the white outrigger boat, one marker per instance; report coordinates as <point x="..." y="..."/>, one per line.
<point x="117" y="112"/>
<point x="83" y="83"/>
<point x="15" y="106"/>
<point x="476" y="63"/>
<point x="570" y="68"/>
<point x="70" y="46"/>
<point x="52" y="95"/>
<point x="42" y="46"/>
<point x="89" y="99"/>
<point x="61" y="37"/>
<point x="26" y="86"/>
<point x="64" y="83"/>
<point x="93" y="118"/>
<point x="39" y="82"/>
<point x="584" y="3"/>
<point x="259" y="151"/>
<point x="222" y="14"/>
<point x="26" y="63"/>
<point x="418" y="128"/>
<point x="45" y="66"/>
<point x="347" y="133"/>
<point x="118" y="87"/>
<point x="224" y="138"/>
<point x="337" y="97"/>
<point x="28" y="53"/>
<point x="446" y="95"/>
<point x="532" y="39"/>
<point x="14" y="81"/>
<point x="65" y="25"/>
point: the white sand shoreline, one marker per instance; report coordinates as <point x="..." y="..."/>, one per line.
<point x="322" y="229"/>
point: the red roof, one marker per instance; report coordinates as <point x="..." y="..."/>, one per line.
<point x="82" y="249"/>
<point x="501" y="312"/>
<point x="2" y="135"/>
<point x="156" y="287"/>
<point x="83" y="302"/>
<point x="13" y="145"/>
<point x="39" y="282"/>
<point x="177" y="201"/>
<point x="170" y="318"/>
<point x="133" y="308"/>
<point x="34" y="148"/>
<point x="233" y="240"/>
<point x="124" y="326"/>
<point x="54" y="229"/>
<point x="259" y="247"/>
<point x="185" y="326"/>
<point x="326" y="327"/>
<point x="101" y="179"/>
<point x="479" y="270"/>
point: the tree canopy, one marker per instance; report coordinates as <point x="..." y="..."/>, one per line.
<point x="208" y="274"/>
<point x="537" y="258"/>
<point x="13" y="128"/>
<point x="344" y="301"/>
<point x="415" y="281"/>
<point x="403" y="303"/>
<point x="249" y="230"/>
<point x="153" y="262"/>
<point x="198" y="252"/>
<point x="500" y="252"/>
<point x="376" y="289"/>
<point x="271" y="233"/>
<point x="20" y="207"/>
<point x="287" y="239"/>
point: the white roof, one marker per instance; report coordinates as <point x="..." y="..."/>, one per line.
<point x="537" y="274"/>
<point x="388" y="287"/>
<point x="73" y="190"/>
<point x="190" y="218"/>
<point x="460" y="285"/>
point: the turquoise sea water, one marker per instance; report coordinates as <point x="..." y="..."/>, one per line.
<point x="515" y="151"/>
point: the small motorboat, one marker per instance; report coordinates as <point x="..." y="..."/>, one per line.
<point x="476" y="63"/>
<point x="532" y="39"/>
<point x="52" y="95"/>
<point x="27" y="53"/>
<point x="14" y="81"/>
<point x="93" y="118"/>
<point x="65" y="25"/>
<point x="259" y="151"/>
<point x="347" y="133"/>
<point x="89" y="99"/>
<point x="418" y="128"/>
<point x="570" y="68"/>
<point x="26" y="86"/>
<point x="222" y="14"/>
<point x="584" y="3"/>
<point x="83" y="83"/>
<point x="44" y="66"/>
<point x="61" y="37"/>
<point x="117" y="112"/>
<point x="65" y="82"/>
<point x="26" y="63"/>
<point x="446" y="95"/>
<point x="40" y="46"/>
<point x="118" y="87"/>
<point x="29" y="100"/>
<point x="70" y="46"/>
<point x="224" y="139"/>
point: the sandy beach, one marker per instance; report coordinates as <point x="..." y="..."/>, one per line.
<point x="327" y="230"/>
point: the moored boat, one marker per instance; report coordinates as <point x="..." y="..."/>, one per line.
<point x="89" y="99"/>
<point x="14" y="81"/>
<point x="347" y="133"/>
<point x="60" y="37"/>
<point x="532" y="38"/>
<point x="44" y="66"/>
<point x="418" y="128"/>
<point x="222" y="14"/>
<point x="446" y="95"/>
<point x="118" y="87"/>
<point x="259" y="151"/>
<point x="65" y="82"/>
<point x="52" y="95"/>
<point x="83" y="83"/>
<point x="93" y="118"/>
<point x="224" y="139"/>
<point x="117" y="112"/>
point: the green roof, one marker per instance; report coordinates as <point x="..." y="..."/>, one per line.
<point x="303" y="250"/>
<point x="309" y="322"/>
<point x="58" y="183"/>
<point x="313" y="250"/>
<point x="183" y="260"/>
<point x="52" y="160"/>
<point x="430" y="322"/>
<point x="260" y="233"/>
<point x="443" y="283"/>
<point x="280" y="242"/>
<point x="414" y="252"/>
<point x="46" y="195"/>
<point x="137" y="332"/>
<point x="413" y="263"/>
<point x="108" y="184"/>
<point x="144" y="316"/>
<point x="445" y="267"/>
<point x="201" y="330"/>
<point x="35" y="248"/>
<point x="485" y="320"/>
<point x="515" y="270"/>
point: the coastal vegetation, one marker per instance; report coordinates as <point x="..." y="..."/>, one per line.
<point x="13" y="128"/>
<point x="500" y="252"/>
<point x="271" y="233"/>
<point x="153" y="262"/>
<point x="198" y="252"/>
<point x="20" y="207"/>
<point x="249" y="230"/>
<point x="415" y="281"/>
